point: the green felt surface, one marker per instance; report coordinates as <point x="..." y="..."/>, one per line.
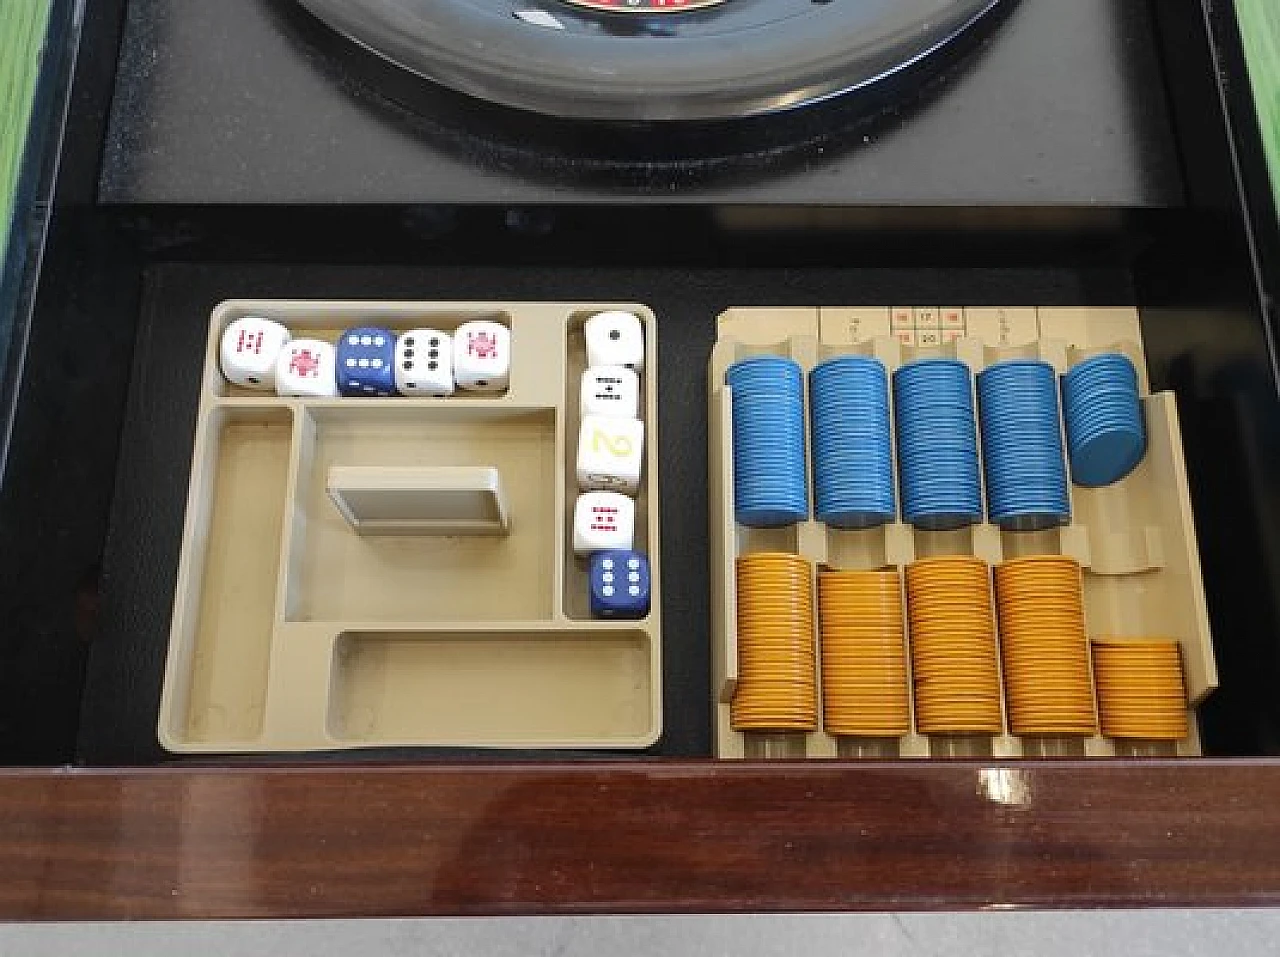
<point x="1260" y="24"/>
<point x="22" y="32"/>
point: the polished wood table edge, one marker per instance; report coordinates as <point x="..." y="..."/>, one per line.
<point x="359" y="840"/>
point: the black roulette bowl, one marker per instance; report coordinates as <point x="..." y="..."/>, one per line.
<point x="662" y="61"/>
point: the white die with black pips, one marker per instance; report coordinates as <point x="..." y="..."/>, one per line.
<point x="615" y="338"/>
<point x="424" y="363"/>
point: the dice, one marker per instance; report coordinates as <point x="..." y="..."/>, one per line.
<point x="610" y="454"/>
<point x="610" y="390"/>
<point x="424" y="363"/>
<point x="619" y="583"/>
<point x="482" y="356"/>
<point x="615" y="338"/>
<point x="305" y="368"/>
<point x="603" y="521"/>
<point x="366" y="362"/>
<point x="249" y="349"/>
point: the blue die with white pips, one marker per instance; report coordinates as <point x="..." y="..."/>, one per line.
<point x="366" y="359"/>
<point x="619" y="584"/>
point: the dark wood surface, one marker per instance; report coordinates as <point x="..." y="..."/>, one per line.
<point x="661" y="836"/>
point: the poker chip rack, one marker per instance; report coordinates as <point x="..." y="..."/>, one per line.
<point x="290" y="632"/>
<point x="1134" y="540"/>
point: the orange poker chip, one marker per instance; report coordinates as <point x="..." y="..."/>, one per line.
<point x="863" y="654"/>
<point x="777" y="689"/>
<point x="1141" y="689"/>
<point x="1044" y="648"/>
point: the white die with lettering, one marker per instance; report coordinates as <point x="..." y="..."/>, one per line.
<point x="610" y="454"/>
<point x="610" y="390"/>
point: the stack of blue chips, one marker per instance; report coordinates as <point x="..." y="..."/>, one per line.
<point x="852" y="452"/>
<point x="1106" y="435"/>
<point x="937" y="444"/>
<point x="1022" y="446"/>
<point x="770" y="478"/>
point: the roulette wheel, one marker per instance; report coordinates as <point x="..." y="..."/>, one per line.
<point x="660" y="60"/>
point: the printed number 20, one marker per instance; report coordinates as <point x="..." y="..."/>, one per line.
<point x="618" y="446"/>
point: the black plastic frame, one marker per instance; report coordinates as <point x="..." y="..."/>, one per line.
<point x="1248" y="155"/>
<point x="20" y="260"/>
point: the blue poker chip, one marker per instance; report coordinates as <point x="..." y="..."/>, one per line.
<point x="1102" y="408"/>
<point x="770" y="475"/>
<point x="1023" y="456"/>
<point x="852" y="446"/>
<point x="938" y="469"/>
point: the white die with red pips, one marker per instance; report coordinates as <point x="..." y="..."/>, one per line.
<point x="248" y="351"/>
<point x="603" y="520"/>
<point x="482" y="356"/>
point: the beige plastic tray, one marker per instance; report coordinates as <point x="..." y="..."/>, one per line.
<point x="1135" y="540"/>
<point x="291" y="632"/>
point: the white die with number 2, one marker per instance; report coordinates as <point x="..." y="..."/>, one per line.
<point x="603" y="521"/>
<point x="424" y="363"/>
<point x="248" y="351"/>
<point x="307" y="368"/>
<point x="482" y="356"/>
<point x="610" y="454"/>
<point x="615" y="338"/>
<point x="610" y="390"/>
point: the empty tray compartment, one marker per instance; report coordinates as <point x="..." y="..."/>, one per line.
<point x="336" y="575"/>
<point x="522" y="687"/>
<point x="216" y="685"/>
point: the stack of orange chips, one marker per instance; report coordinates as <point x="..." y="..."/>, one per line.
<point x="953" y="646"/>
<point x="1048" y="686"/>
<point x="1141" y="691"/>
<point x="777" y="664"/>
<point x="864" y="656"/>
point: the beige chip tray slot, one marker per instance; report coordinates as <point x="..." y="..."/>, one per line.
<point x="440" y="603"/>
<point x="1135" y="540"/>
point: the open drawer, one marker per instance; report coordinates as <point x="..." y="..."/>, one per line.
<point x="596" y="785"/>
